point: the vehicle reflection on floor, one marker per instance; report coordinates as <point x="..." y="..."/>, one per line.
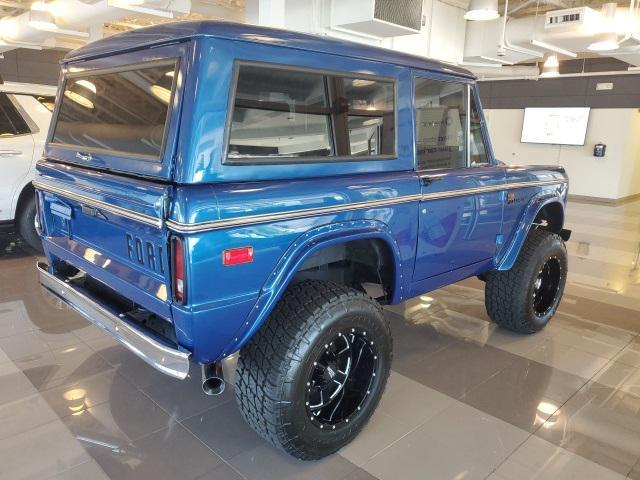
<point x="465" y="399"/>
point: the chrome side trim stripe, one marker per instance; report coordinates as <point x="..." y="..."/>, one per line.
<point x="280" y="216"/>
<point x="490" y="188"/>
<point x="316" y="212"/>
<point x="123" y="212"/>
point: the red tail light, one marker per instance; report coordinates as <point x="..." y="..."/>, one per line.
<point x="179" y="278"/>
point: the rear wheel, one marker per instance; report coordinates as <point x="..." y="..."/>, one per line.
<point x="525" y="298"/>
<point x="312" y="376"/>
<point x="27" y="219"/>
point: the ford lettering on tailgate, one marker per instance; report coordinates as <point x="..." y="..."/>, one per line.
<point x="144" y="253"/>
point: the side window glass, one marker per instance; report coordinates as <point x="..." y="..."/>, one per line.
<point x="6" y="127"/>
<point x="279" y="113"/>
<point x="11" y="123"/>
<point x="478" y="153"/>
<point x="370" y="116"/>
<point x="440" y="124"/>
<point x="13" y="117"/>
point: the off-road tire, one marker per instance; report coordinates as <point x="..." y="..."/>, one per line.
<point x="509" y="295"/>
<point x="25" y="220"/>
<point x="274" y="367"/>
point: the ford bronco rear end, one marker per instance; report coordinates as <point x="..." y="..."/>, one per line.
<point x="209" y="188"/>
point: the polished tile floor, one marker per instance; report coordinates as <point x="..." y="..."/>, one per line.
<point x="465" y="400"/>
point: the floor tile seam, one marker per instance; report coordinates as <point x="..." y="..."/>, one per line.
<point x="637" y="464"/>
<point x="63" y="425"/>
<point x="25" y="331"/>
<point x="59" y="418"/>
<point x="169" y="413"/>
<point x="594" y="322"/>
<point x="207" y="447"/>
<point x="225" y="461"/>
<point x="47" y="350"/>
<point x="529" y="435"/>
<point x="368" y="460"/>
<point x="88" y="460"/>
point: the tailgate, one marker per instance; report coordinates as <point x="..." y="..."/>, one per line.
<point x="109" y="226"/>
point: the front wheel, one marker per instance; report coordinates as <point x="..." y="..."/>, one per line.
<point x="525" y="298"/>
<point x="312" y="376"/>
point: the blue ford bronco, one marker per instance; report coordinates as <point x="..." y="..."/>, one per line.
<point x="210" y="188"/>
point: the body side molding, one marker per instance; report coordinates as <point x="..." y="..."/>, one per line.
<point x="199" y="227"/>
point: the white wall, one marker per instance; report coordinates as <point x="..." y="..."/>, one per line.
<point x="615" y="176"/>
<point x="442" y="36"/>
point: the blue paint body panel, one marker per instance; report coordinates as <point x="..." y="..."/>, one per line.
<point x="457" y="224"/>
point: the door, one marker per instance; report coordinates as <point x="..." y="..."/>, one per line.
<point x="16" y="152"/>
<point x="461" y="208"/>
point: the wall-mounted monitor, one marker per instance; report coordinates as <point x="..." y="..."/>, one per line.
<point x="560" y="126"/>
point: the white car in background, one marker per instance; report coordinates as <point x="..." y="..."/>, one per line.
<point x="25" y="113"/>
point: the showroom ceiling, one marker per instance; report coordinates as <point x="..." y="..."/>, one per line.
<point x="520" y="45"/>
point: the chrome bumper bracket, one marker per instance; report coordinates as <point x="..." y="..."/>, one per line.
<point x="170" y="361"/>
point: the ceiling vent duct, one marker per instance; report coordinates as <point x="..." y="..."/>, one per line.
<point x="570" y="17"/>
<point x="377" y="18"/>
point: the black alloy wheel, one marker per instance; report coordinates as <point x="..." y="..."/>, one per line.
<point x="341" y="379"/>
<point x="547" y="286"/>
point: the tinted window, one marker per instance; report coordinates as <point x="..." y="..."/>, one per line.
<point x="306" y="115"/>
<point x="478" y="154"/>
<point x="370" y="115"/>
<point x="281" y="114"/>
<point x="122" y="112"/>
<point x="11" y="122"/>
<point x="440" y="124"/>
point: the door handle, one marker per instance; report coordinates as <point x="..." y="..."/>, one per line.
<point x="10" y="153"/>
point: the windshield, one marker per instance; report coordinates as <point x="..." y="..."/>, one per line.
<point x="120" y="112"/>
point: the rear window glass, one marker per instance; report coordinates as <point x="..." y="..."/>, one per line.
<point x="118" y="112"/>
<point x="308" y="116"/>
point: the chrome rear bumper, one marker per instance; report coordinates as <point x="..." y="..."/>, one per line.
<point x="167" y="360"/>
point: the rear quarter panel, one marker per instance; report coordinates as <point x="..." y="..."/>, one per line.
<point x="221" y="298"/>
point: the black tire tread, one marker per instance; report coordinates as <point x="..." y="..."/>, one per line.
<point x="503" y="307"/>
<point x="265" y="361"/>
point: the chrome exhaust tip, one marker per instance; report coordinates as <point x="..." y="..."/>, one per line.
<point x="213" y="378"/>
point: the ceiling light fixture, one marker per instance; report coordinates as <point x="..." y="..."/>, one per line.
<point x="482" y="10"/>
<point x="550" y="68"/>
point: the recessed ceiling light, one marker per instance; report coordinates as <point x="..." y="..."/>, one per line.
<point x="482" y="10"/>
<point x="550" y="67"/>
